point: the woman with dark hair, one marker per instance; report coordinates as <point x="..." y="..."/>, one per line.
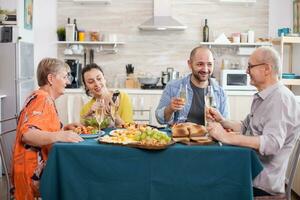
<point x="39" y="127"/>
<point x="116" y="105"/>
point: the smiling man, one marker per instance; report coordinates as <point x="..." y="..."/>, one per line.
<point x="173" y="109"/>
<point x="272" y="126"/>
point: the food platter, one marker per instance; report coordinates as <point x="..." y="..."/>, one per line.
<point x="192" y="143"/>
<point x="143" y="137"/>
<point x="89" y="136"/>
<point x="138" y="145"/>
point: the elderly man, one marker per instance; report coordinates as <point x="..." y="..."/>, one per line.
<point x="172" y="109"/>
<point x="272" y="126"/>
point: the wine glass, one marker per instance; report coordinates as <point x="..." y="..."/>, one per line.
<point x="99" y="113"/>
<point x="209" y="101"/>
<point x="183" y="96"/>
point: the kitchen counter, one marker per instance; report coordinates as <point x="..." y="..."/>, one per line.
<point x="158" y="91"/>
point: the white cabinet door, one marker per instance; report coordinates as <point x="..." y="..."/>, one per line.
<point x="69" y="105"/>
<point x="144" y="106"/>
<point x="239" y="106"/>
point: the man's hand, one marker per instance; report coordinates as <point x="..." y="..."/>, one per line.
<point x="216" y="131"/>
<point x="213" y="114"/>
<point x="176" y="104"/>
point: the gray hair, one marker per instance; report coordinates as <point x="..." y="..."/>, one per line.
<point x="270" y="56"/>
<point x="49" y="66"/>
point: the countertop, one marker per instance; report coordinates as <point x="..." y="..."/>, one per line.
<point x="142" y="91"/>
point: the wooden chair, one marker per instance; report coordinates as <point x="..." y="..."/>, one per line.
<point x="290" y="174"/>
<point x="7" y="139"/>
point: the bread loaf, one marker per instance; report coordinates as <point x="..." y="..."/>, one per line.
<point x="189" y="131"/>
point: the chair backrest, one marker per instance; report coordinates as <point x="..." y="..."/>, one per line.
<point x="293" y="162"/>
<point x="7" y="140"/>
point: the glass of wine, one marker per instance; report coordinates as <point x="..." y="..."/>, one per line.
<point x="99" y="113"/>
<point x="183" y="96"/>
<point x="209" y="101"/>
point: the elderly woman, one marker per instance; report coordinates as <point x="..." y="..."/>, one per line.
<point x="39" y="127"/>
<point x="116" y="106"/>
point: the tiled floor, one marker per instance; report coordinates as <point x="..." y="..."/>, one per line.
<point x="3" y="190"/>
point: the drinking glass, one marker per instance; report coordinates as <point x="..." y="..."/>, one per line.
<point x="183" y="96"/>
<point x="99" y="113"/>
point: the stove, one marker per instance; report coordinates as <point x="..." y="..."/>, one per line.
<point x="152" y="87"/>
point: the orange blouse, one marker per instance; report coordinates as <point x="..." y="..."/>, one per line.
<point x="39" y="112"/>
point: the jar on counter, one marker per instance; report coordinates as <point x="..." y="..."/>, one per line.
<point x="81" y="36"/>
<point x="95" y="36"/>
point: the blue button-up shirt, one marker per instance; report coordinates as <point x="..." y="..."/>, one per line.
<point x="172" y="90"/>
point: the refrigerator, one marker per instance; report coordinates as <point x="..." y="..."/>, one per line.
<point x="16" y="79"/>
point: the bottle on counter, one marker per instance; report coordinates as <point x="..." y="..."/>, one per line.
<point x="205" y="32"/>
<point x="75" y="31"/>
<point x="70" y="29"/>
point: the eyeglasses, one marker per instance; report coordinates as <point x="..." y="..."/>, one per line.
<point x="251" y="66"/>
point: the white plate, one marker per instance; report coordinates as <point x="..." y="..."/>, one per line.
<point x="112" y="133"/>
<point x="86" y="136"/>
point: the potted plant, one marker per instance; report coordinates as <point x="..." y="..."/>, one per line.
<point x="61" y="34"/>
<point x="3" y="15"/>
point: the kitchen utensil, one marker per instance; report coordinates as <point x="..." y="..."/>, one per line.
<point x="84" y="57"/>
<point x="164" y="78"/>
<point x="91" y="56"/>
<point x="129" y="69"/>
<point x="148" y="80"/>
<point x="172" y="74"/>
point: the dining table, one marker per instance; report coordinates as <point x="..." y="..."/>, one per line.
<point x="92" y="170"/>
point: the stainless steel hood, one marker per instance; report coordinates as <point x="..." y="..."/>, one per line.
<point x="162" y="19"/>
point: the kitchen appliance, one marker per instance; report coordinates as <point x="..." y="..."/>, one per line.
<point x="75" y="67"/>
<point x="172" y="74"/>
<point x="164" y="78"/>
<point x="8" y="33"/>
<point x="148" y="80"/>
<point x="162" y="19"/>
<point x="235" y="80"/>
<point x="16" y="80"/>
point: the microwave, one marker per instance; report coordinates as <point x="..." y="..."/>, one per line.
<point x="232" y="79"/>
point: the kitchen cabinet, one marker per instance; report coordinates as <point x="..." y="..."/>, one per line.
<point x="92" y="1"/>
<point x="287" y="41"/>
<point x="239" y="106"/>
<point x="144" y="104"/>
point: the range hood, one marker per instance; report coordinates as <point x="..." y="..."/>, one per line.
<point x="162" y="19"/>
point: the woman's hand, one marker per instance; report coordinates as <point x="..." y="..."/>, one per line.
<point x="68" y="136"/>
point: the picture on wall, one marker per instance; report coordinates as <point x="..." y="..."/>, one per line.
<point x="28" y="14"/>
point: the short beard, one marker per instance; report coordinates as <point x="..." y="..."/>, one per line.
<point x="197" y="77"/>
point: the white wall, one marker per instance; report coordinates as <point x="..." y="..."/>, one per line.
<point x="44" y="24"/>
<point x="26" y="35"/>
<point x="280" y="15"/>
<point x="154" y="51"/>
<point x="8" y="4"/>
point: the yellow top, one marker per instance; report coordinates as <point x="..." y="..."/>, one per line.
<point x="124" y="111"/>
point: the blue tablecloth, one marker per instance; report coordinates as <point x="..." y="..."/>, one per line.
<point x="90" y="170"/>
